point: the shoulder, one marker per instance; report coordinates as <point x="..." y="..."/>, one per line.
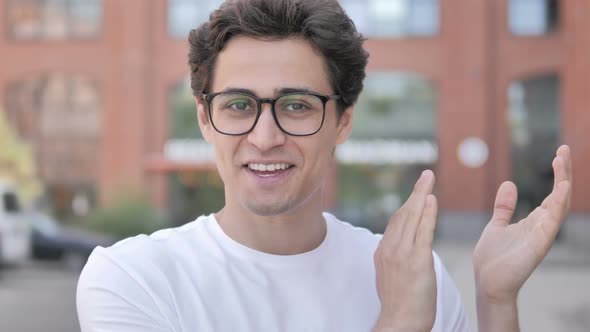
<point x="153" y="245"/>
<point x="128" y="284"/>
<point x="133" y="277"/>
<point x="350" y="236"/>
<point x="144" y="255"/>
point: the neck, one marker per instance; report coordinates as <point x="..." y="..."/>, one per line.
<point x="294" y="232"/>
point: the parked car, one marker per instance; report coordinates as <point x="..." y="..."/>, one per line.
<point x="15" y="231"/>
<point x="71" y="246"/>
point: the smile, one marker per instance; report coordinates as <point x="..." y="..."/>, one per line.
<point x="268" y="170"/>
<point x="268" y="167"/>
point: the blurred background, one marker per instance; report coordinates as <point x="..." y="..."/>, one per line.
<point x="99" y="141"/>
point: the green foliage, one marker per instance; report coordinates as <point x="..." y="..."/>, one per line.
<point x="382" y="105"/>
<point x="128" y="217"/>
<point x="193" y="194"/>
<point x="17" y="162"/>
<point x="183" y="119"/>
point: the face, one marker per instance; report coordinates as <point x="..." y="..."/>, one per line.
<point x="245" y="163"/>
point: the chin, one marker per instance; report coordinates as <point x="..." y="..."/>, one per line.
<point x="268" y="210"/>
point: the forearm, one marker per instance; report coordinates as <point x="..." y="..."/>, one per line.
<point x="386" y="324"/>
<point x="392" y="329"/>
<point x="496" y="316"/>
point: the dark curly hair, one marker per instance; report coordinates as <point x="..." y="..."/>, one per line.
<point x="321" y="22"/>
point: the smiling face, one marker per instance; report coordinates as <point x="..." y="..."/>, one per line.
<point x="267" y="172"/>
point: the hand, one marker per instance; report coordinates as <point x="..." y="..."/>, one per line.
<point x="406" y="281"/>
<point x="507" y="254"/>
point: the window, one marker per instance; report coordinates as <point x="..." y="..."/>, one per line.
<point x="533" y="17"/>
<point x="393" y="141"/>
<point x="54" y="19"/>
<point x="394" y="18"/>
<point x="533" y="116"/>
<point x="185" y="15"/>
<point x="59" y="115"/>
<point x="185" y="140"/>
<point x="396" y="105"/>
<point x="183" y="113"/>
<point x="190" y="192"/>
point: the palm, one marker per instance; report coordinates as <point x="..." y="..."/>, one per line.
<point x="507" y="254"/>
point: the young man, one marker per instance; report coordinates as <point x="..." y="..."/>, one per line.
<point x="275" y="82"/>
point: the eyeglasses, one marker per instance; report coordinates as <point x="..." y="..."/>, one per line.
<point x="296" y="114"/>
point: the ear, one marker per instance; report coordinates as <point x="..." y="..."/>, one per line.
<point x="203" y="120"/>
<point x="344" y="125"/>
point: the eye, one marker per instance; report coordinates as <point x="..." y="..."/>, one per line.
<point x="239" y="105"/>
<point x="299" y="103"/>
<point x="296" y="107"/>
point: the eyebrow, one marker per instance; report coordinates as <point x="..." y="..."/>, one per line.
<point x="277" y="92"/>
<point x="292" y="90"/>
<point x="238" y="90"/>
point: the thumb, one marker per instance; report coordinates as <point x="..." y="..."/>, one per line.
<point x="505" y="204"/>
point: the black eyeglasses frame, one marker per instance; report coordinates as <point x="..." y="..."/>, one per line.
<point x="208" y="97"/>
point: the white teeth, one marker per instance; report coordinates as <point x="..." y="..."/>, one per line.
<point x="268" y="167"/>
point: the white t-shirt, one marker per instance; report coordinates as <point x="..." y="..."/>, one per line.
<point x="195" y="278"/>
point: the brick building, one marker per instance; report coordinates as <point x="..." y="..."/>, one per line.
<point x="481" y="91"/>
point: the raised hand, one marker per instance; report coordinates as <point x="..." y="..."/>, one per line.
<point x="406" y="281"/>
<point x="507" y="254"/>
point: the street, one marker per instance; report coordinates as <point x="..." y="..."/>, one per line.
<point x="555" y="298"/>
<point x="40" y="296"/>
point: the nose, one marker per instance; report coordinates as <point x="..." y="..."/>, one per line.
<point x="266" y="134"/>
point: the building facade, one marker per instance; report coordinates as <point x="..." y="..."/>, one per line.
<point x="480" y="91"/>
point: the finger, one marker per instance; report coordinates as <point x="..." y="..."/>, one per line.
<point x="425" y="234"/>
<point x="559" y="174"/>
<point x="553" y="215"/>
<point x="565" y="154"/>
<point x="557" y="202"/>
<point x="415" y="208"/>
<point x="422" y="188"/>
<point x="559" y="171"/>
<point x="411" y="210"/>
<point x="545" y="203"/>
<point x="505" y="203"/>
<point x="562" y="172"/>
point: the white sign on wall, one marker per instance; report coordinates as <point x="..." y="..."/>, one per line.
<point x="382" y="151"/>
<point x="373" y="152"/>
<point x="188" y="150"/>
<point x="473" y="152"/>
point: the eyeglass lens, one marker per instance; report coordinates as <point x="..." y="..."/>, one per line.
<point x="297" y="114"/>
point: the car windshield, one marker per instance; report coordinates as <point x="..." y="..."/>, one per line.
<point x="45" y="224"/>
<point x="11" y="203"/>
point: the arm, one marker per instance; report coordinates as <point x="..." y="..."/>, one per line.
<point x="108" y="299"/>
<point x="507" y="254"/>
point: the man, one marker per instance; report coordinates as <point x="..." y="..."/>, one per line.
<point x="275" y="83"/>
